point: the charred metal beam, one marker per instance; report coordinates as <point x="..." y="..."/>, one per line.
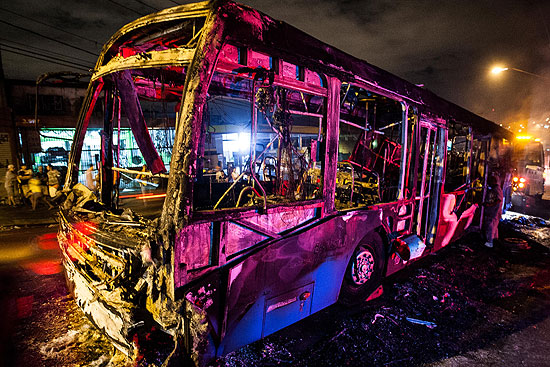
<point x="132" y="108"/>
<point x="331" y="143"/>
<point x="82" y="126"/>
<point x="106" y="172"/>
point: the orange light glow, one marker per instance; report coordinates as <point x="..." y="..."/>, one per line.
<point x="524" y="137"/>
<point x="48" y="241"/>
<point x="521" y="185"/>
<point x="45" y="267"/>
<point x="522" y="180"/>
<point x="131" y="196"/>
<point x="498" y="69"/>
<point x="140" y="196"/>
<point x="86" y="228"/>
<point x="144" y="197"/>
<point x="516" y="179"/>
<point x="49" y="236"/>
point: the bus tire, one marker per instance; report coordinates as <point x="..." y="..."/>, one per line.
<point x="364" y="271"/>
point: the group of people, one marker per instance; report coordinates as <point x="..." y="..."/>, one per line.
<point x="222" y="177"/>
<point x="25" y="185"/>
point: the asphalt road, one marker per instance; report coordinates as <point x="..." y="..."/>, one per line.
<point x="40" y="325"/>
<point x="489" y="307"/>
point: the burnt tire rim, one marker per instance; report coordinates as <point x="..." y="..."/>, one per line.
<point x="362" y="268"/>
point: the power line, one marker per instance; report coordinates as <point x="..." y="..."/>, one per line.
<point x="147" y="5"/>
<point x="49" y="38"/>
<point x="125" y="7"/>
<point x="43" y="59"/>
<point x="51" y="57"/>
<point x="49" y="25"/>
<point x="43" y="50"/>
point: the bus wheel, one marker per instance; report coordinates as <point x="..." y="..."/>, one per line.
<point x="364" y="271"/>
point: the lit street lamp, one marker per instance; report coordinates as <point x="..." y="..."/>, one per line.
<point x="499" y="69"/>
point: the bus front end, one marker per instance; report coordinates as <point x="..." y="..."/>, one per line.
<point x="114" y="233"/>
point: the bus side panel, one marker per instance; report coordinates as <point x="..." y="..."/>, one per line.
<point x="291" y="278"/>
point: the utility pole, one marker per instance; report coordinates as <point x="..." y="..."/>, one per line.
<point x="9" y="152"/>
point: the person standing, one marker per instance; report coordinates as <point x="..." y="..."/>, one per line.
<point x="10" y="184"/>
<point x="492" y="211"/>
<point x="23" y="177"/>
<point x="35" y="188"/>
<point x="43" y="177"/>
<point x="142" y="181"/>
<point x="220" y="175"/>
<point x="90" y="178"/>
<point x="53" y="180"/>
<point x="234" y="174"/>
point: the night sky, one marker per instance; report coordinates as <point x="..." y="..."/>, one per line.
<point x="448" y="46"/>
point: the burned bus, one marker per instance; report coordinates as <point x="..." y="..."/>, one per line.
<point x="288" y="175"/>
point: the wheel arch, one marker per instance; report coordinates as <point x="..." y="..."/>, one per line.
<point x="384" y="236"/>
<point x="384" y="249"/>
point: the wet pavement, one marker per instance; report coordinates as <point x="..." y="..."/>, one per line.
<point x="23" y="215"/>
<point x="533" y="206"/>
<point x="41" y="324"/>
<point x="465" y="306"/>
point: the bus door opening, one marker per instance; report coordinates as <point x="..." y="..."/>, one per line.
<point x="425" y="177"/>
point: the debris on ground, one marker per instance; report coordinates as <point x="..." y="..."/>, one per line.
<point x="428" y="324"/>
<point x="528" y="227"/>
<point x="376" y="317"/>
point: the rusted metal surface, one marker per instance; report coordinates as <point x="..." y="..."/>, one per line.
<point x="177" y="56"/>
<point x="101" y="265"/>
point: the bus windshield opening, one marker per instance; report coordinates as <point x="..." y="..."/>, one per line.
<point x="129" y="135"/>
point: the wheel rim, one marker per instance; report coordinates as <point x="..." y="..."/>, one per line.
<point x="362" y="267"/>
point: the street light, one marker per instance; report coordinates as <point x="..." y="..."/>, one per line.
<point x="500" y="69"/>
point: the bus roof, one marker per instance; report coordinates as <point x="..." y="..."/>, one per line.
<point x="247" y="26"/>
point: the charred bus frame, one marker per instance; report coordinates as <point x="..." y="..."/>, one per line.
<point x="339" y="179"/>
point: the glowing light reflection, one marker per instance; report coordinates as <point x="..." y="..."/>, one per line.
<point x="145" y="197"/>
<point x="48" y="241"/>
<point x="44" y="267"/>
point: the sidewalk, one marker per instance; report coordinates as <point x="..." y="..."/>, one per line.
<point x="22" y="216"/>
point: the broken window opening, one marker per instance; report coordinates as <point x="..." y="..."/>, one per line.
<point x="458" y="155"/>
<point x="480" y="149"/>
<point x="142" y="113"/>
<point x="369" y="150"/>
<point x="180" y="33"/>
<point x="261" y="145"/>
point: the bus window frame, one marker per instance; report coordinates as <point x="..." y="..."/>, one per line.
<point x="468" y="163"/>
<point x="405" y="107"/>
<point x="281" y="82"/>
